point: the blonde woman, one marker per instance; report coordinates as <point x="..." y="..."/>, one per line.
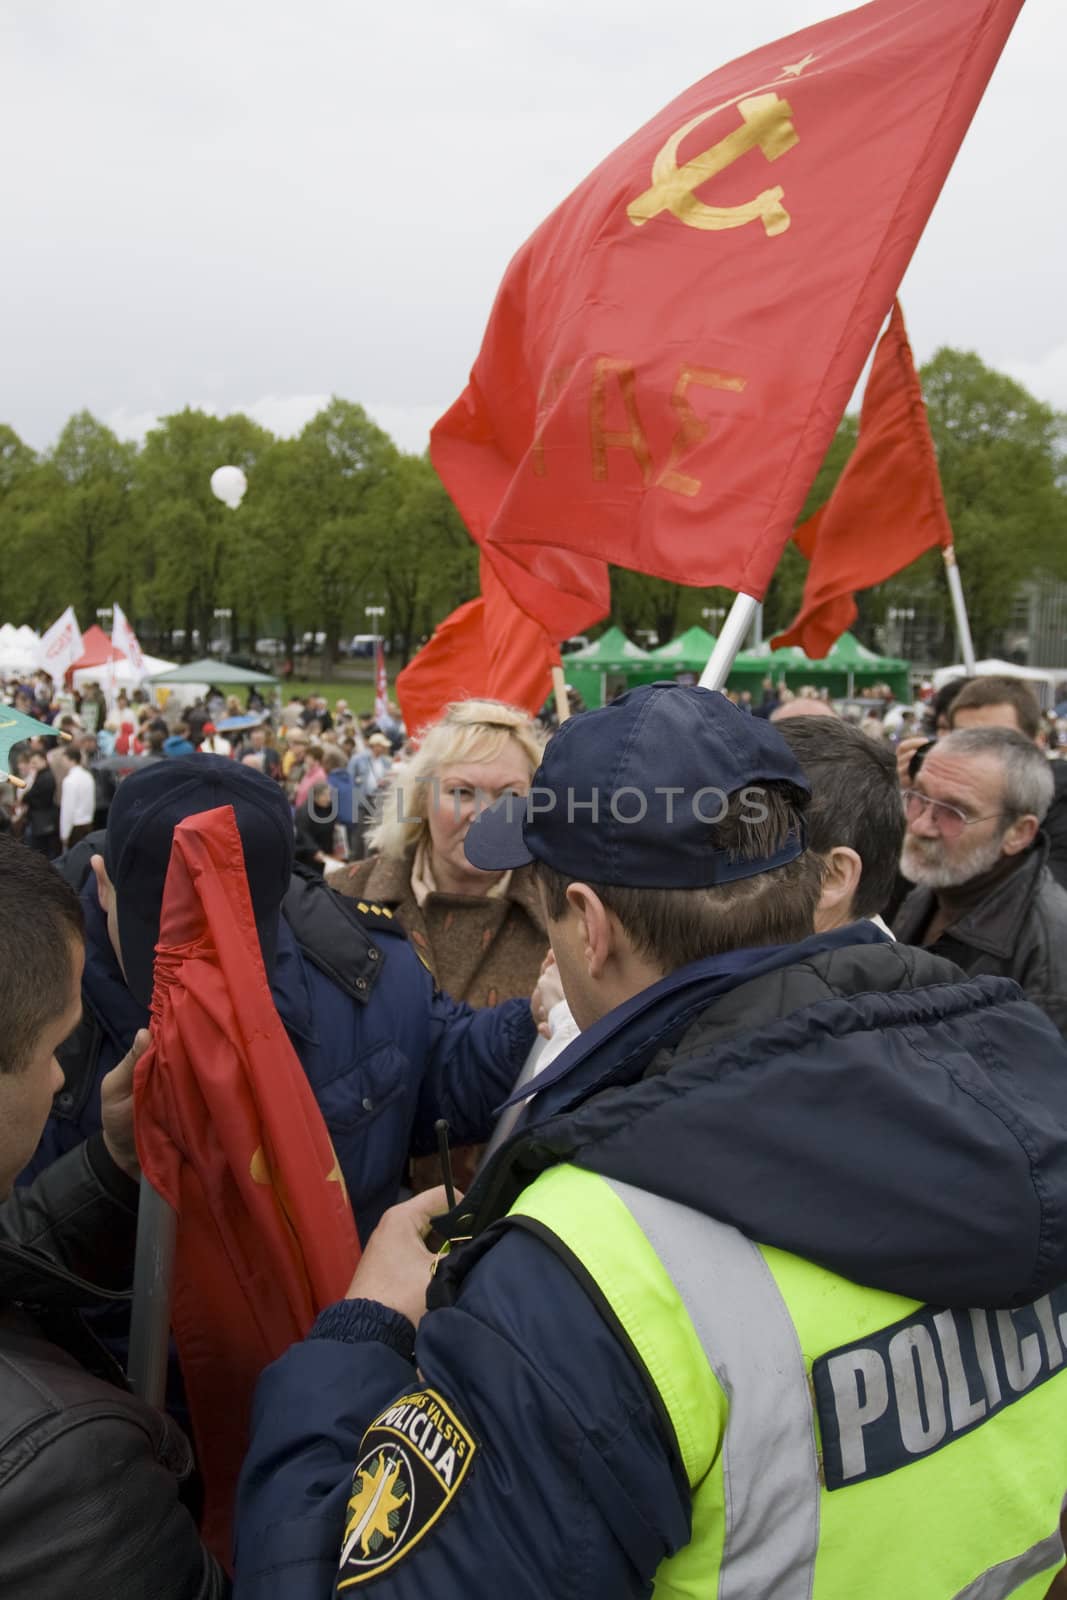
<point x="480" y="933"/>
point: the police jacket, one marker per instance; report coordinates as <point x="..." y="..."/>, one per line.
<point x="386" y="1054"/>
<point x="93" y="1482"/>
<point x="851" y="1101"/>
<point x="1019" y="931"/>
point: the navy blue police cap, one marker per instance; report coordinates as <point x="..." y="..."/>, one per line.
<point x="147" y="808"/>
<point x="630" y="794"/>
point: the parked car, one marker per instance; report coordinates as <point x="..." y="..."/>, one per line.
<point x="270" y="647"/>
<point x="362" y="644"/>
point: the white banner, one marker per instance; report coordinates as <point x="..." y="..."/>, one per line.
<point x="61" y="645"/>
<point x="125" y="641"/>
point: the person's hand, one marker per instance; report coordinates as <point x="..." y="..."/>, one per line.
<point x="548" y="992"/>
<point x="905" y="750"/>
<point x="395" y="1267"/>
<point x="116" y="1107"/>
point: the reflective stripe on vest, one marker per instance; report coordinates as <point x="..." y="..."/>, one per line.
<point x="769" y="1460"/>
<point x="729" y="1332"/>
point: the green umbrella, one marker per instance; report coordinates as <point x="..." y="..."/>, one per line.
<point x="209" y="670"/>
<point x="15" y="727"/>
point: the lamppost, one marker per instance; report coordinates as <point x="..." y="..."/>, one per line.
<point x="104" y="615"/>
<point x="375" y="613"/>
<point x="898" y="616"/>
<point x="222" y="615"/>
<point x="713" y="616"/>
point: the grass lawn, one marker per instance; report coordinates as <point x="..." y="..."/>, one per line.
<point x="360" y="696"/>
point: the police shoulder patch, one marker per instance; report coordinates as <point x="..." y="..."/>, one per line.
<point x="413" y="1460"/>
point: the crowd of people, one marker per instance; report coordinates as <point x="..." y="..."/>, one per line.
<point x="765" y="1291"/>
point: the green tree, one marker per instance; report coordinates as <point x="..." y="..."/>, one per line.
<point x="189" y="553"/>
<point x="431" y="565"/>
<point x="1001" y="457"/>
<point x="336" y="487"/>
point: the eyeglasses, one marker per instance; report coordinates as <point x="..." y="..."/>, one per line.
<point x="949" y="821"/>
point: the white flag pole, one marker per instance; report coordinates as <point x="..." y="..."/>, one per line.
<point x="959" y="607"/>
<point x="729" y="642"/>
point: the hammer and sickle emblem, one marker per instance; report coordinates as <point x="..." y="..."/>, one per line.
<point x="767" y="124"/>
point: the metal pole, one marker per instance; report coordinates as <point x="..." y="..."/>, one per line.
<point x="729" y="641"/>
<point x="153" y="1273"/>
<point x="757" y="627"/>
<point x="959" y="606"/>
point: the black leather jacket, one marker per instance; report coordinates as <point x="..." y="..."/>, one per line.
<point x="1019" y="931"/>
<point x="91" y="1479"/>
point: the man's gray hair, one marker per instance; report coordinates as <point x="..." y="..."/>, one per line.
<point x="1028" y="781"/>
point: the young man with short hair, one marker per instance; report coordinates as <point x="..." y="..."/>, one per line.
<point x="854" y="818"/>
<point x="93" y="1481"/>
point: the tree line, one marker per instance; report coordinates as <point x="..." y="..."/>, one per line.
<point x="339" y="518"/>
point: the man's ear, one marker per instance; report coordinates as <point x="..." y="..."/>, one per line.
<point x="104" y="891"/>
<point x="595" y="927"/>
<point x="842" y="870"/>
<point x="1020" y="836"/>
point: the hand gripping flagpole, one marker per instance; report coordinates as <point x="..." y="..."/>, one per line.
<point x="153" y="1279"/>
<point x="729" y="642"/>
<point x="959" y="607"/>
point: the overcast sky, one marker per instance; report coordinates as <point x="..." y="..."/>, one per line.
<point x="245" y="205"/>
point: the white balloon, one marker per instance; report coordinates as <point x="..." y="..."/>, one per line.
<point x="228" y="484"/>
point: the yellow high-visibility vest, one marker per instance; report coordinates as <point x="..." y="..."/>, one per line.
<point x="840" y="1443"/>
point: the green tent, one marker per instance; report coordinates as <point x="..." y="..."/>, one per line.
<point x="688" y="653"/>
<point x="209" y="670"/>
<point x="848" y="667"/>
<point x="612" y="657"/>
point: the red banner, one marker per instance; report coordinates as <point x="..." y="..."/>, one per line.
<point x="670" y="353"/>
<point x="487" y="648"/>
<point x="230" y="1134"/>
<point x="887" y="506"/>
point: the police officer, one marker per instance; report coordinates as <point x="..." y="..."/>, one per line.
<point x="717" y="1318"/>
<point x="385" y="1052"/>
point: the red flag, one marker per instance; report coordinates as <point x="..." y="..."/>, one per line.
<point x="487" y="647"/>
<point x="670" y="353"/>
<point x="229" y="1133"/>
<point x="887" y="506"/>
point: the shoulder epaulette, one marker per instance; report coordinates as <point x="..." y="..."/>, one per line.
<point x="370" y="909"/>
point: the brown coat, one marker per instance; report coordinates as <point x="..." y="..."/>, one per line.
<point x="479" y="950"/>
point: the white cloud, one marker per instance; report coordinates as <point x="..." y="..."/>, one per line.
<point x="231" y="201"/>
<point x="286" y="414"/>
<point x="1046" y="377"/>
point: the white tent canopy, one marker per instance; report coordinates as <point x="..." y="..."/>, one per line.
<point x="1044" y="679"/>
<point x="19" y="649"/>
<point x="125" y="677"/>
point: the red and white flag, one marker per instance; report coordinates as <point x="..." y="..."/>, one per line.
<point x="61" y="645"/>
<point x="125" y="642"/>
<point x="381" y="683"/>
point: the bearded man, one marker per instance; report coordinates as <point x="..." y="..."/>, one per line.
<point x="974" y="848"/>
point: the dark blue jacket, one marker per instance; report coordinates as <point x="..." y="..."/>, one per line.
<point x="851" y="1100"/>
<point x="385" y="1053"/>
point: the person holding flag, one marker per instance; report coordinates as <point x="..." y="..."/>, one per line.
<point x="385" y="1052"/>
